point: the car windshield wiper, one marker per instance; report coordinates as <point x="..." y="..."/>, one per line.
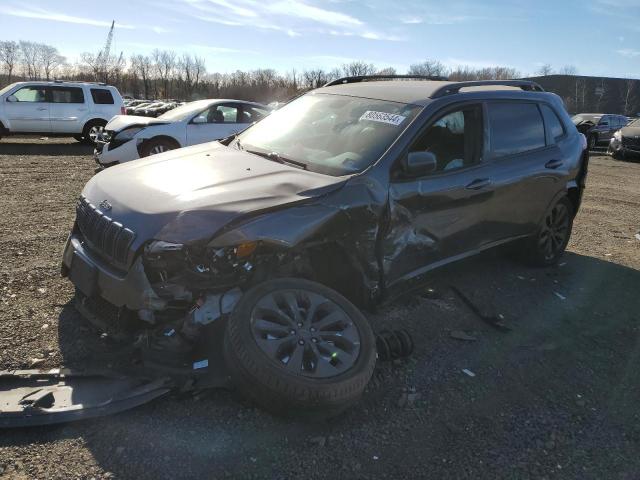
<point x="276" y="157"/>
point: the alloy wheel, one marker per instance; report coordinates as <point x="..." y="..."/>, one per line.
<point x="158" y="149"/>
<point x="554" y="232"/>
<point x="305" y="333"/>
<point x="95" y="133"/>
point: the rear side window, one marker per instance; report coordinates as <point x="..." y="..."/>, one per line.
<point x="101" y="96"/>
<point x="552" y="122"/>
<point x="67" y="95"/>
<point x="515" y="128"/>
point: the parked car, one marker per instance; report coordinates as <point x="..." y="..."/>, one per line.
<point x="349" y="195"/>
<point x="626" y="141"/>
<point x="135" y="109"/>
<point x="76" y="109"/>
<point x="131" y="137"/>
<point x="598" y="127"/>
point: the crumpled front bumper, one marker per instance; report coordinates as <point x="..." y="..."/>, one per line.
<point x="92" y="277"/>
<point x="618" y="147"/>
<point x="104" y="154"/>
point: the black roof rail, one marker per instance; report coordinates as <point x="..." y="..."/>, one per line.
<point x="56" y="80"/>
<point x="364" y="78"/>
<point x="453" y="88"/>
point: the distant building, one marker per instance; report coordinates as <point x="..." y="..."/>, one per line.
<point x="594" y="94"/>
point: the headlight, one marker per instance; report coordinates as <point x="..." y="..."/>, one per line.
<point x="128" y="134"/>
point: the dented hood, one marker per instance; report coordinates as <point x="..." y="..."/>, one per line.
<point x="191" y="193"/>
<point x="120" y="122"/>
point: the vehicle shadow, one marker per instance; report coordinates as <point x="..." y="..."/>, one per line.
<point x="573" y="329"/>
<point x="34" y="146"/>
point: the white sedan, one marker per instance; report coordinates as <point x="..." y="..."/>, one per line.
<point x="128" y="137"/>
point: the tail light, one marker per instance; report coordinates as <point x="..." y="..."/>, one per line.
<point x="123" y="111"/>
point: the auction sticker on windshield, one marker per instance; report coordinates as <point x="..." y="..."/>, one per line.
<point x="383" y="117"/>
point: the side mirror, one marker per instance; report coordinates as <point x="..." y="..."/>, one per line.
<point x="199" y="119"/>
<point x="12" y="98"/>
<point x="420" y="163"/>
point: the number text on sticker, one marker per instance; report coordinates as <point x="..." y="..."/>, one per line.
<point x="383" y="117"/>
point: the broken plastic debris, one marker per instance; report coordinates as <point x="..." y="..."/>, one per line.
<point x="560" y="296"/>
<point x="468" y="372"/>
<point x="201" y="364"/>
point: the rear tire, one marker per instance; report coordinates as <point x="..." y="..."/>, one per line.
<point x="593" y="141"/>
<point x="297" y="369"/>
<point x="92" y="131"/>
<point x="549" y="243"/>
<point x="157" y="145"/>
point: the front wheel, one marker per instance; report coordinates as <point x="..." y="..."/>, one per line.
<point x="298" y="348"/>
<point x="547" y="246"/>
<point x="156" y="146"/>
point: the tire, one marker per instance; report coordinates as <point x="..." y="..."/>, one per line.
<point x="311" y="392"/>
<point x="593" y="141"/>
<point x="547" y="246"/>
<point x="157" y="145"/>
<point x="92" y="131"/>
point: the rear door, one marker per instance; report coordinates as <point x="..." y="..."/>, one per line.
<point x="216" y="122"/>
<point x="68" y="109"/>
<point x="444" y="214"/>
<point x="527" y="164"/>
<point x="30" y="110"/>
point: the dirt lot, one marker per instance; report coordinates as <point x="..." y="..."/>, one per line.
<point x="557" y="397"/>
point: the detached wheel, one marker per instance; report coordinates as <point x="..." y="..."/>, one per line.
<point x="92" y="131"/>
<point x="158" y="145"/>
<point x="548" y="245"/>
<point x="298" y="348"/>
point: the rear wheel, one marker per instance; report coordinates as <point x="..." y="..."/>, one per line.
<point x="593" y="141"/>
<point x="158" y="145"/>
<point x="92" y="131"/>
<point x="548" y="245"/>
<point x="298" y="348"/>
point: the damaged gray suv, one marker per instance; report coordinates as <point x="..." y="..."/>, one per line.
<point x="348" y="195"/>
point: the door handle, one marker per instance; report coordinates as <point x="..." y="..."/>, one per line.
<point x="553" y="164"/>
<point x="478" y="183"/>
<point x="42" y="109"/>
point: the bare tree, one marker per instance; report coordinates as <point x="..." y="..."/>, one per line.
<point x="9" y="56"/>
<point x="386" y="71"/>
<point x="357" y="68"/>
<point x="544" y="70"/>
<point x="164" y="62"/>
<point x="30" y="64"/>
<point x="428" y="68"/>
<point x="49" y="58"/>
<point x="600" y="92"/>
<point x="629" y="96"/>
<point x="568" y="70"/>
<point x="142" y="66"/>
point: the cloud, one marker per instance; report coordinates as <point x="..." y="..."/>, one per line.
<point x="628" y="52"/>
<point x="296" y="8"/>
<point x="42" y="14"/>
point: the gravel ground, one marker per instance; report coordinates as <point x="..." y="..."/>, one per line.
<point x="556" y="397"/>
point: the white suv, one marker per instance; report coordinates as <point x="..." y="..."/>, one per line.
<point x="76" y="109"/>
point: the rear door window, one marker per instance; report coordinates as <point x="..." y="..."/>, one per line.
<point x="101" y="96"/>
<point x="515" y="128"/>
<point x="252" y="114"/>
<point x="552" y="123"/>
<point x="67" y="95"/>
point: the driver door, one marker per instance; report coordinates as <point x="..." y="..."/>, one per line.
<point x="216" y="122"/>
<point x="443" y="214"/>
<point x="29" y="112"/>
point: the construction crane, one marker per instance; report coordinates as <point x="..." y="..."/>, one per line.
<point x="103" y="56"/>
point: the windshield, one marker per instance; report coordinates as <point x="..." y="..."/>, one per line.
<point x="331" y="134"/>
<point x="7" y="88"/>
<point x="577" y="119"/>
<point x="185" y="111"/>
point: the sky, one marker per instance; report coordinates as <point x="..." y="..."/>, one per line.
<point x="598" y="37"/>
